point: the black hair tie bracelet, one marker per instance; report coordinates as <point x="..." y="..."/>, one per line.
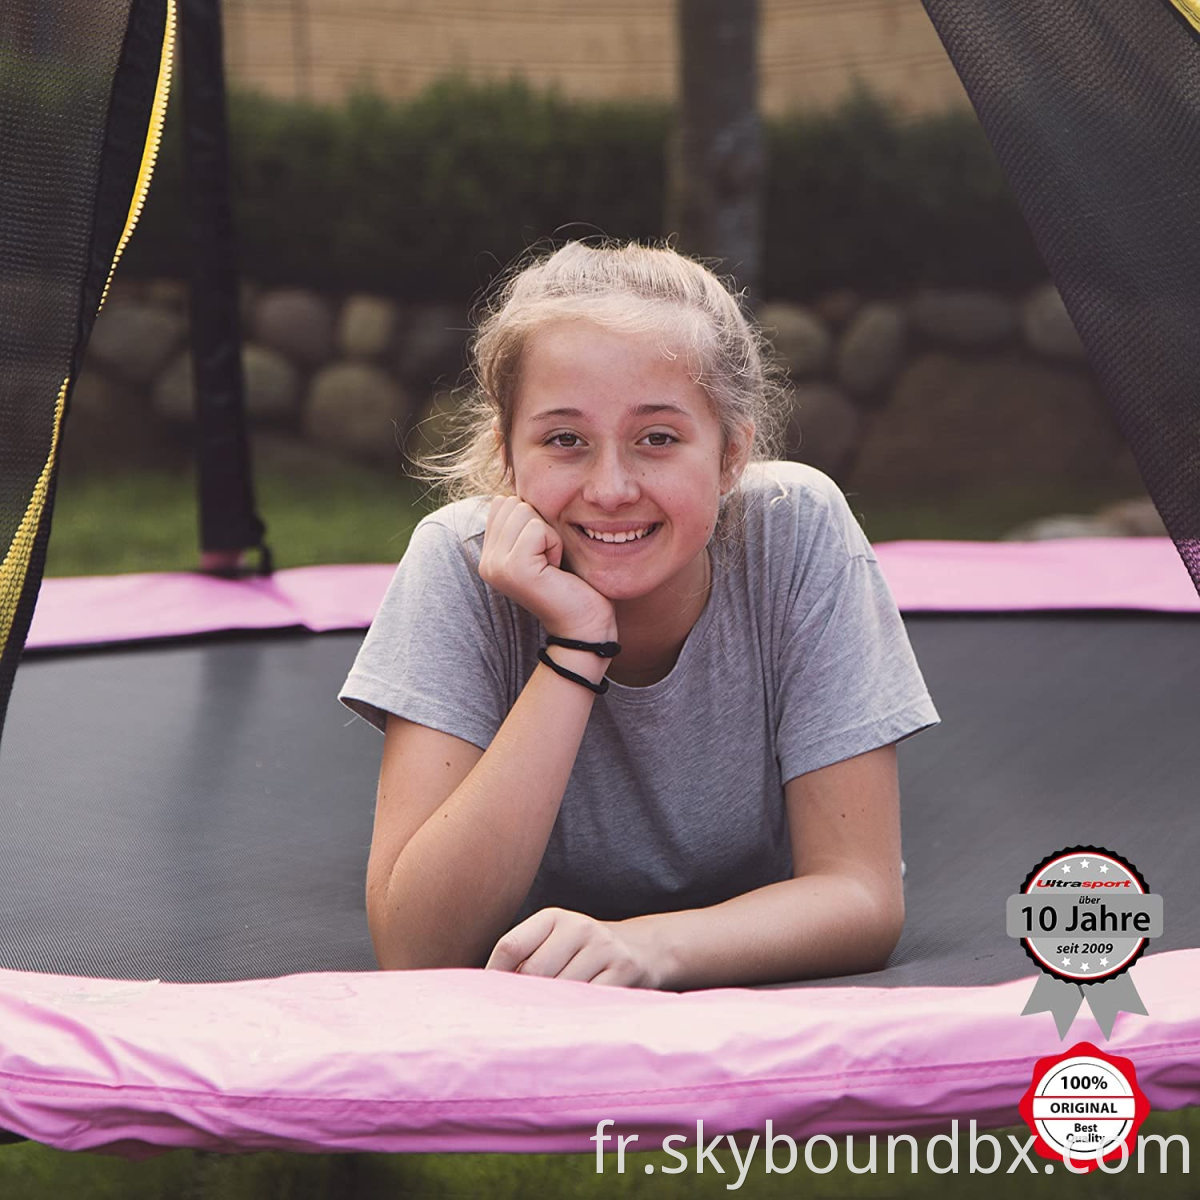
<point x="599" y="688"/>
<point x="603" y="649"/>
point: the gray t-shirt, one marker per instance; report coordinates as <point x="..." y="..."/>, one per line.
<point x="798" y="660"/>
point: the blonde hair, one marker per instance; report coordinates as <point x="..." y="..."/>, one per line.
<point x="625" y="287"/>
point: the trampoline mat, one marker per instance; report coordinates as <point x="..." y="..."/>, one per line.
<point x="201" y="811"/>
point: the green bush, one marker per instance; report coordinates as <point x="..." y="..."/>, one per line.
<point x="857" y="198"/>
<point x="425" y="199"/>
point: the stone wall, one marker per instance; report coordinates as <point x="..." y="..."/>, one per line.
<point x="924" y="395"/>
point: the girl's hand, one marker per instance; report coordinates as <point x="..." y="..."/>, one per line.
<point x="561" y="944"/>
<point x="522" y="558"/>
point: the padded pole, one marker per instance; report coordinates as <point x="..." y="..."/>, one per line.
<point x="229" y="522"/>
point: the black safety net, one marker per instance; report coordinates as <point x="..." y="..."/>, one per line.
<point x="1093" y="110"/>
<point x="78" y="88"/>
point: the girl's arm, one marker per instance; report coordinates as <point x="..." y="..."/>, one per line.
<point x="459" y="832"/>
<point x="841" y="914"/>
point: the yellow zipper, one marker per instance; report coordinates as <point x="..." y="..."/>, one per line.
<point x="15" y="566"/>
<point x="1191" y="11"/>
<point x="158" y="114"/>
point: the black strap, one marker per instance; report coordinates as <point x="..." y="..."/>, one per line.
<point x="599" y="688"/>
<point x="603" y="649"/>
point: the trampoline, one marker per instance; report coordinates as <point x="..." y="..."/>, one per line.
<point x="232" y="843"/>
<point x="184" y="958"/>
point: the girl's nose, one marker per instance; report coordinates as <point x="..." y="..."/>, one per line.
<point x="610" y="482"/>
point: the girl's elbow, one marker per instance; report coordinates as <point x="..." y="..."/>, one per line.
<point x="887" y="926"/>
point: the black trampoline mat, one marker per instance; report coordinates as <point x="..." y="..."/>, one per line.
<point x="202" y="811"/>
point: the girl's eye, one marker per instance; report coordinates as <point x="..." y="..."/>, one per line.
<point x="659" y="438"/>
<point x="557" y="439"/>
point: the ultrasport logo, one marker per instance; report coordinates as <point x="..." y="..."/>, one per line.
<point x="1084" y="883"/>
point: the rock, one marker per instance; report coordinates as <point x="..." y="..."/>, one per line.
<point x="123" y="290"/>
<point x="1048" y="327"/>
<point x="963" y="318"/>
<point x="173" y="391"/>
<point x="168" y="293"/>
<point x="134" y="341"/>
<point x="1065" y="525"/>
<point x="871" y="349"/>
<point x="283" y="452"/>
<point x="97" y="398"/>
<point x="357" y="410"/>
<point x="800" y="338"/>
<point x="296" y="323"/>
<point x="248" y="294"/>
<point x="367" y="326"/>
<point x="955" y="423"/>
<point x="109" y="429"/>
<point x="837" y="307"/>
<point x="1133" y="518"/>
<point x="271" y="387"/>
<point x="823" y="428"/>
<point x="433" y="347"/>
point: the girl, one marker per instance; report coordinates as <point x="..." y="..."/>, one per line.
<point x="641" y="705"/>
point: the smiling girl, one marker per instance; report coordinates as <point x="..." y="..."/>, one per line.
<point x="640" y="689"/>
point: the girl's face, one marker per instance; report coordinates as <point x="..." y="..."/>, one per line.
<point x="617" y="447"/>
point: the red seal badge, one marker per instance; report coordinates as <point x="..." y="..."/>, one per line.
<point x="1085" y="1106"/>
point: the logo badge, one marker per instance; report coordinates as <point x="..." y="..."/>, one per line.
<point x="1084" y="1106"/>
<point x="1084" y="915"/>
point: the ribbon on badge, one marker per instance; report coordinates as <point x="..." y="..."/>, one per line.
<point x="1084" y="915"/>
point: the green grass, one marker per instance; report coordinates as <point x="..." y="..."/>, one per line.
<point x="315" y="511"/>
<point x="981" y="515"/>
<point x="320" y="510"/>
<point x="34" y="1172"/>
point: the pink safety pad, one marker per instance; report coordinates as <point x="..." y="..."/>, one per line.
<point x="490" y="1061"/>
<point x="1071" y="573"/>
<point x="1083" y="573"/>
<point x="103" y="609"/>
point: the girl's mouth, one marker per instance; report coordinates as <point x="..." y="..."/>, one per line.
<point x="618" y="541"/>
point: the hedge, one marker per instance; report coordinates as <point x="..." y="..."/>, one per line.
<point x="422" y="200"/>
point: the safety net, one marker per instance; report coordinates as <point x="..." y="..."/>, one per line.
<point x="1093" y="111"/>
<point x="83" y="89"/>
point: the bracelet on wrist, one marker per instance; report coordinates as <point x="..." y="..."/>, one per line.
<point x="599" y="688"/>
<point x="603" y="649"/>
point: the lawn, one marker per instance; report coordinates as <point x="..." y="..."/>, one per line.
<point x="34" y="1172"/>
<point x="317" y="510"/>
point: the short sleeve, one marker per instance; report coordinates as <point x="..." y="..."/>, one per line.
<point x="848" y="678"/>
<point x="433" y="652"/>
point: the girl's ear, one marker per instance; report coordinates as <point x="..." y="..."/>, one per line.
<point x="736" y="456"/>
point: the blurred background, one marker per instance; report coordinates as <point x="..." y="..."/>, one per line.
<point x="389" y="157"/>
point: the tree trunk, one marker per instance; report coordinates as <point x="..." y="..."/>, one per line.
<point x="716" y="158"/>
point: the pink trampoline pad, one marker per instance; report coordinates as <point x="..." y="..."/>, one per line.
<point x="1072" y="573"/>
<point x="103" y="609"/>
<point x="1086" y="573"/>
<point x="490" y="1061"/>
